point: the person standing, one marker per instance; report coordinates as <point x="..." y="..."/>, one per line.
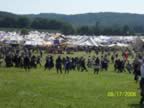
<point x="59" y="65"/>
<point x="27" y="63"/>
<point x="112" y="58"/>
<point x="83" y="66"/>
<point x="136" y="65"/>
<point x="129" y="67"/>
<point x="126" y="54"/>
<point x="49" y="63"/>
<point x="97" y="66"/>
<point x="67" y="65"/>
<point x="142" y="82"/>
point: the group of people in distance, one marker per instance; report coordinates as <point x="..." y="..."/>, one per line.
<point x="121" y="61"/>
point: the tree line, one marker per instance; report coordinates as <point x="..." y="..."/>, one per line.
<point x="66" y="28"/>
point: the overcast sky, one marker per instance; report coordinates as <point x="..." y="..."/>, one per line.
<point x="71" y="6"/>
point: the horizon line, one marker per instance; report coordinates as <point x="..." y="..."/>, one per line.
<point x="71" y="13"/>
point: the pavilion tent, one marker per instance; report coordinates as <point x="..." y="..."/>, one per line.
<point x="104" y="37"/>
<point x="97" y="39"/>
<point x="94" y="43"/>
<point x="81" y="40"/>
<point x="87" y="42"/>
<point x="122" y="45"/>
<point x="47" y="43"/>
<point x="111" y="45"/>
<point x="16" y="38"/>
<point x="5" y="38"/>
<point x="32" y="37"/>
<point x="34" y="43"/>
<point x="1" y="36"/>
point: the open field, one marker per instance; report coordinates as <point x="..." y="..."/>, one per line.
<point x="43" y="89"/>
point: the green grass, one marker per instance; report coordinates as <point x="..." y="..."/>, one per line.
<point x="43" y="89"/>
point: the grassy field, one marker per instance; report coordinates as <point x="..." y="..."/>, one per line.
<point x="43" y="89"/>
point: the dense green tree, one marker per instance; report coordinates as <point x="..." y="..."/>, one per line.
<point x="24" y="32"/>
<point x="8" y="22"/>
<point x="67" y="29"/>
<point x="107" y="31"/>
<point x="126" y="30"/>
<point x="84" y="30"/>
<point x="138" y="29"/>
<point x="54" y="24"/>
<point x="23" y="22"/>
<point x="96" y="29"/>
<point x="39" y="23"/>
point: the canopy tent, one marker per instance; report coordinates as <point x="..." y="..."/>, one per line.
<point x="86" y="42"/>
<point x="118" y="45"/>
<point x="34" y="43"/>
<point x="48" y="43"/>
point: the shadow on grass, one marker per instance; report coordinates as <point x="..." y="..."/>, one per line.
<point x="136" y="106"/>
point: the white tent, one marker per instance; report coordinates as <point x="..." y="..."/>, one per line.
<point x="34" y="43"/>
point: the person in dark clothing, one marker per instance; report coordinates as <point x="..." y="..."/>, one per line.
<point x="116" y="63"/>
<point x="112" y="58"/>
<point x="142" y="90"/>
<point x="46" y="62"/>
<point x="9" y="60"/>
<point x="16" y="60"/>
<point x="89" y="62"/>
<point x="20" y="61"/>
<point x="59" y="65"/>
<point x="97" y="66"/>
<point x="33" y="61"/>
<point x="119" y="65"/>
<point x="41" y="53"/>
<point x="39" y="61"/>
<point x="1" y="58"/>
<point x="67" y="65"/>
<point x="136" y="66"/>
<point x="122" y="68"/>
<point x="27" y="63"/>
<point x="83" y="66"/>
<point x="49" y="63"/>
<point x="142" y="82"/>
<point x="73" y="64"/>
<point x="77" y="63"/>
<point x="129" y="67"/>
<point x="104" y="63"/>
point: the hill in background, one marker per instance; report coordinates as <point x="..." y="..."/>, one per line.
<point x="107" y="23"/>
<point x="105" y="18"/>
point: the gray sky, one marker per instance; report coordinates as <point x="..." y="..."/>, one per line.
<point x="71" y="6"/>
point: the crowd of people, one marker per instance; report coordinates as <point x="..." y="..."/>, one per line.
<point x="28" y="59"/>
<point x="121" y="60"/>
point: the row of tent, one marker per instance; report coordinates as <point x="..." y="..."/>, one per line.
<point x="109" y="41"/>
<point x="34" y="38"/>
<point x="47" y="39"/>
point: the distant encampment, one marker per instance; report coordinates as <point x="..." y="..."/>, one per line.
<point x="45" y="39"/>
